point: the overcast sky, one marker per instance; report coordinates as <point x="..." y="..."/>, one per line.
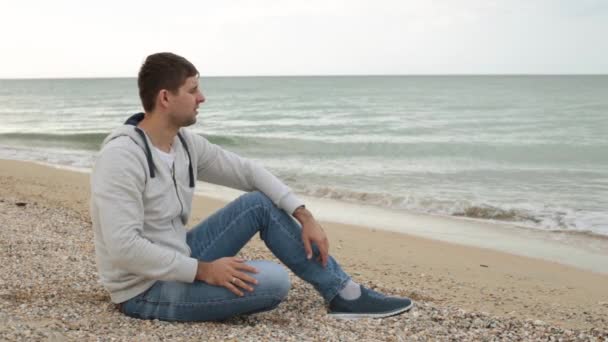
<point x="69" y="38"/>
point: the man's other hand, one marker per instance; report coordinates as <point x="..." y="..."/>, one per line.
<point x="228" y="272"/>
<point x="312" y="232"/>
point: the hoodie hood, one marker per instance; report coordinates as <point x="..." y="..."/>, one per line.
<point x="130" y="129"/>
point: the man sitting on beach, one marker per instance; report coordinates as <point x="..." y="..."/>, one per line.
<point x="141" y="198"/>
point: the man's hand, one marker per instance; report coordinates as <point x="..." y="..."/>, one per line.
<point x="312" y="232"/>
<point x="227" y="272"/>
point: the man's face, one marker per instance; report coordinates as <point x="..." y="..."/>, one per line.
<point x="183" y="106"/>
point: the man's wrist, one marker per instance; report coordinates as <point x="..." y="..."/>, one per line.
<point x="201" y="270"/>
<point x="302" y="214"/>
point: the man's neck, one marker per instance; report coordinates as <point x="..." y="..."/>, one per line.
<point x="160" y="132"/>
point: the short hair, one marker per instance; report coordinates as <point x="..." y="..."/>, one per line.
<point x="164" y="70"/>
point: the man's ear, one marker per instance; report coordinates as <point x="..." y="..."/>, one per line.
<point x="163" y="98"/>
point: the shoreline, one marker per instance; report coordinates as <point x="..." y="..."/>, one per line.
<point x="587" y="251"/>
<point x="430" y="271"/>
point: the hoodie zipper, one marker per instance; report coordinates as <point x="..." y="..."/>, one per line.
<point x="176" y="191"/>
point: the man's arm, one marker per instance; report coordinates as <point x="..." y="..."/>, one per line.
<point x="117" y="185"/>
<point x="218" y="166"/>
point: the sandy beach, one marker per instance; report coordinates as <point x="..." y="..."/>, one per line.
<point x="49" y="288"/>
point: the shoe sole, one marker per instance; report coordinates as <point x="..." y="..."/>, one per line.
<point x="345" y="315"/>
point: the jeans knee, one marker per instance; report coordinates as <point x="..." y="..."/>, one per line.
<point x="272" y="278"/>
<point x="282" y="283"/>
<point x="259" y="197"/>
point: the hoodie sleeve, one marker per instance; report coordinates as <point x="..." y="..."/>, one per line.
<point x="117" y="185"/>
<point x="218" y="166"/>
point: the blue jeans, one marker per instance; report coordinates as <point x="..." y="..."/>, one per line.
<point x="224" y="234"/>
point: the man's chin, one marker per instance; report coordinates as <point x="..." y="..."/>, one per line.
<point x="191" y="122"/>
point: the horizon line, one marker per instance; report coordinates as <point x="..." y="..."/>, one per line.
<point x="314" y="75"/>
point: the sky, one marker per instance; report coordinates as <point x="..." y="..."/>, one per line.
<point x="110" y="38"/>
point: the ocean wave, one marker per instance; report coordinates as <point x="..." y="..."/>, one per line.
<point x="495" y="213"/>
<point x="93" y="140"/>
<point x="530" y="216"/>
<point x="87" y="141"/>
<point x="230" y="140"/>
<point x="88" y="136"/>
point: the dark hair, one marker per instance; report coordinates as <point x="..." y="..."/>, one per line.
<point x="163" y="70"/>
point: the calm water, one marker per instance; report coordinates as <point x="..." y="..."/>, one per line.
<point x="526" y="149"/>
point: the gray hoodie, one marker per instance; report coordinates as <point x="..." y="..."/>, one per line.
<point x="139" y="207"/>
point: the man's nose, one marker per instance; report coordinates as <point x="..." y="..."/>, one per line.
<point x="201" y="98"/>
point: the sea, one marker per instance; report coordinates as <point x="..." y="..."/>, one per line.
<point x="526" y="150"/>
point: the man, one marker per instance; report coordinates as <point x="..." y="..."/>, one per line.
<point x="141" y="197"/>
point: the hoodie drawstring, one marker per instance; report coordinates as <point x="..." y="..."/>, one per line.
<point x="151" y="162"/>
<point x="148" y="152"/>
<point x="134" y="120"/>
<point x="190" y="171"/>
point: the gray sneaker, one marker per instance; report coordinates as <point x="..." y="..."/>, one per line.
<point x="370" y="304"/>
